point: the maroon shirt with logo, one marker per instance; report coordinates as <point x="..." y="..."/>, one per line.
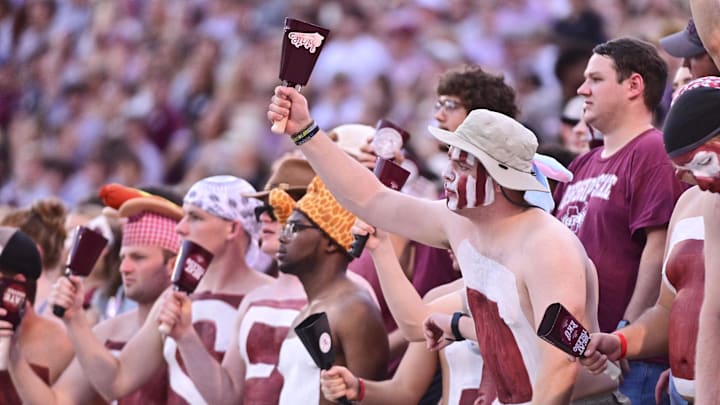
<point x="609" y="204"/>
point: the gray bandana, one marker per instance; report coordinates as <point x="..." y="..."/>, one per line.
<point x="222" y="196"/>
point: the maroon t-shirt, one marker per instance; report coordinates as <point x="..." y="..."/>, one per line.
<point x="8" y="395"/>
<point x="609" y="203"/>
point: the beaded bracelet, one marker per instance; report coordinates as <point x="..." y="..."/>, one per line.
<point x="306" y="134"/>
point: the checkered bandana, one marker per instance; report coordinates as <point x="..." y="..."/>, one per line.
<point x="222" y="196"/>
<point x="150" y="229"/>
<point x="707" y="81"/>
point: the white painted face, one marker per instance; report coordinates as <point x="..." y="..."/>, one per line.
<point x="467" y="184"/>
<point x="703" y="164"/>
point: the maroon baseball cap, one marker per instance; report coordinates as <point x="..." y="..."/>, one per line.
<point x="684" y="44"/>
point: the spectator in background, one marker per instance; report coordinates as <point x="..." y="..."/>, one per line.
<point x="705" y="13"/>
<point x="32" y="27"/>
<point x="104" y="280"/>
<point x="217" y="217"/>
<point x="149" y="246"/>
<point x="690" y="139"/>
<point x="574" y="135"/>
<point x="200" y="50"/>
<point x="624" y="82"/>
<point x="687" y="45"/>
<point x="40" y="341"/>
<point x="682" y="77"/>
<point x="583" y="25"/>
<point x="315" y="247"/>
<point x="569" y="67"/>
<point x="44" y="222"/>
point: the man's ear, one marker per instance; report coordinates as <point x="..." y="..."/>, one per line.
<point x="235" y="229"/>
<point x="330" y="246"/>
<point x="636" y="85"/>
<point x="170" y="265"/>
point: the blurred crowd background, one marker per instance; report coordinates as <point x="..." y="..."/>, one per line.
<point x="169" y="91"/>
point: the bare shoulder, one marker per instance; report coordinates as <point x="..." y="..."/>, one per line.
<point x="117" y="327"/>
<point x="355" y="304"/>
<point x="444" y="289"/>
<point x="550" y="249"/>
<point x="47" y="343"/>
<point x="543" y="230"/>
<point x="711" y="208"/>
<point x="49" y="330"/>
<point x="690" y="204"/>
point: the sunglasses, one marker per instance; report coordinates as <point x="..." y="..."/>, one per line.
<point x="264" y="208"/>
<point x="291" y="228"/>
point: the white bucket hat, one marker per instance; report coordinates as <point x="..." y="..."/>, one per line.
<point x="504" y="146"/>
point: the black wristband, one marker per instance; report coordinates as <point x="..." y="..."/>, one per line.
<point x="306" y="134"/>
<point x="455" y="326"/>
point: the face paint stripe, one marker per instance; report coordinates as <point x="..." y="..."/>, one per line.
<point x="454" y="153"/>
<point x="472" y="192"/>
<point x="462" y="192"/>
<point x="489" y="191"/>
<point x="471" y="160"/>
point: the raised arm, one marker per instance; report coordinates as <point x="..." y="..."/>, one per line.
<point x="707" y="359"/>
<point x="353" y="185"/>
<point x="112" y="377"/>
<point x="218" y="384"/>
<point x="706" y="14"/>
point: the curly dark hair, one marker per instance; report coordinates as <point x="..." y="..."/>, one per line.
<point x="632" y="55"/>
<point x="478" y="89"/>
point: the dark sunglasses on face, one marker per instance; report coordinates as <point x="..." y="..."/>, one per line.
<point x="264" y="208"/>
<point x="291" y="228"/>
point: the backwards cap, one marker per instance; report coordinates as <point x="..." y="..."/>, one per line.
<point x="693" y="118"/>
<point x="19" y="254"/>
